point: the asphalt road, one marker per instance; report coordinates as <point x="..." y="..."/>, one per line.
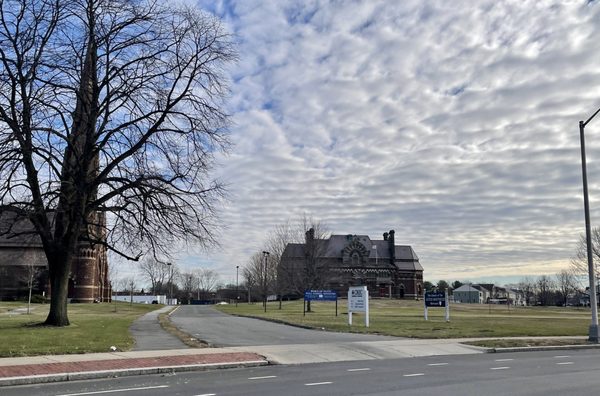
<point x="221" y="330"/>
<point x="570" y="373"/>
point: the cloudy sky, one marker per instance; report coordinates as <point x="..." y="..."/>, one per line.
<point x="453" y="122"/>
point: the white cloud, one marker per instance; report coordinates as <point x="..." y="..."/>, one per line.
<point x="454" y="123"/>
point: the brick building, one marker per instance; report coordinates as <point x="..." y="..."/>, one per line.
<point x="22" y="256"/>
<point x="387" y="269"/>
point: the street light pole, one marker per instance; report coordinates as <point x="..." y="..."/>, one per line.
<point x="593" y="331"/>
<point x="266" y="254"/>
<point x="237" y="293"/>
<point x="170" y="283"/>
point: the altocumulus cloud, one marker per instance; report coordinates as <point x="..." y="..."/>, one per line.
<point x="454" y="123"/>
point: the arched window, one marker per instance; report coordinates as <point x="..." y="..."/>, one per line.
<point x="355" y="258"/>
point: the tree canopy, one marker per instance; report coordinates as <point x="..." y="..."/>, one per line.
<point x="111" y="112"/>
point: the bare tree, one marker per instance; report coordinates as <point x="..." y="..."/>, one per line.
<point x="579" y="263"/>
<point x="544" y="288"/>
<point x="276" y="243"/>
<point x="156" y="273"/>
<point x="131" y="288"/>
<point x="31" y="275"/>
<point x="310" y="271"/>
<point x="188" y="284"/>
<point x="527" y="287"/>
<point x="110" y="107"/>
<point x="250" y="279"/>
<point x="207" y="281"/>
<point x="566" y="284"/>
<point x="260" y="274"/>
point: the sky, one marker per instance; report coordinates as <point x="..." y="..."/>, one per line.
<point x="455" y="123"/>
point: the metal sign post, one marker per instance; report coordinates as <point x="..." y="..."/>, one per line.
<point x="437" y="300"/>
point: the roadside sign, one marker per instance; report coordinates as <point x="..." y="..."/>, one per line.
<point x="320" y="295"/>
<point x="358" y="301"/>
<point x="435" y="299"/>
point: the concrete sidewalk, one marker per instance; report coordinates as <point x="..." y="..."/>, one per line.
<point x="54" y="368"/>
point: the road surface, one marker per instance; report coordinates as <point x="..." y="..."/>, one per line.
<point x="526" y="373"/>
<point x="221" y="330"/>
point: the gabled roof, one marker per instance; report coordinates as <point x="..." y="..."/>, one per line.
<point x="293" y="250"/>
<point x="467" y="288"/>
<point x="405" y="256"/>
<point x="17" y="232"/>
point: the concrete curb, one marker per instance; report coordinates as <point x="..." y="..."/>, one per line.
<point x="541" y="348"/>
<point x="62" y="377"/>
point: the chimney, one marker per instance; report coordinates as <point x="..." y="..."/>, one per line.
<point x="310" y="237"/>
<point x="392" y="246"/>
<point x="385" y="235"/>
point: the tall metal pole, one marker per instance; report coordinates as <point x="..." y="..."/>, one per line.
<point x="266" y="254"/>
<point x="170" y="283"/>
<point x="237" y="293"/>
<point x="593" y="331"/>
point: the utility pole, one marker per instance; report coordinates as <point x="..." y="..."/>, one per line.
<point x="593" y="330"/>
<point x="266" y="254"/>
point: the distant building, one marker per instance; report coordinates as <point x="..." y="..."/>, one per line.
<point x="21" y="253"/>
<point x="468" y="294"/>
<point x="487" y="293"/>
<point x="387" y="269"/>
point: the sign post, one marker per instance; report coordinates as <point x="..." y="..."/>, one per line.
<point x="437" y="300"/>
<point x="358" y="301"/>
<point x="320" y="295"/>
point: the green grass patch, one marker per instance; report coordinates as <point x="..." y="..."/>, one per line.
<point x="94" y="328"/>
<point x="403" y="318"/>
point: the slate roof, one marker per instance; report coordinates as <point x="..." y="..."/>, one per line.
<point x="406" y="258"/>
<point x="17" y="235"/>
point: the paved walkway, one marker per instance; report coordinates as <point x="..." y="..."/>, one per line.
<point x="150" y="336"/>
<point x="54" y="368"/>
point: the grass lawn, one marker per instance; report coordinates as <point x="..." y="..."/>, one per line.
<point x="94" y="328"/>
<point x="404" y="318"/>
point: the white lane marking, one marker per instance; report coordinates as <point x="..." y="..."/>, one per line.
<point x="318" y="383"/>
<point x="360" y="369"/>
<point x="413" y="375"/>
<point x="207" y="394"/>
<point x="499" y="368"/>
<point x="503" y="360"/>
<point x="561" y="356"/>
<point x="564" y="363"/>
<point x="437" y="364"/>
<point x="265" y="377"/>
<point x="115" y="391"/>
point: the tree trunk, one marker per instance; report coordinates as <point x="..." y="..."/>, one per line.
<point x="59" y="284"/>
<point x="29" y="300"/>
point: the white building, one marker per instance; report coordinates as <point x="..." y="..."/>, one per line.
<point x="161" y="299"/>
<point x="469" y="294"/>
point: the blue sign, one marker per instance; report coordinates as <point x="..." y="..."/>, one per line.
<point x="320" y="295"/>
<point x="435" y="299"/>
